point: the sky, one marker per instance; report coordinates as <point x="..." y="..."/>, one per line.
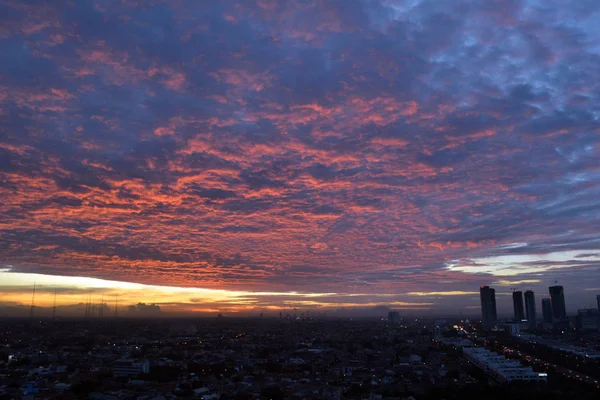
<point x="337" y="154"/>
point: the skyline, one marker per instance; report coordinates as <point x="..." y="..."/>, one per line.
<point x="249" y="154"/>
<point x="82" y="294"/>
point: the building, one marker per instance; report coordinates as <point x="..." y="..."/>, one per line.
<point x="488" y="307"/>
<point x="598" y="300"/>
<point x="530" y="312"/>
<point x="393" y="317"/>
<point x="518" y="306"/>
<point x="572" y="349"/>
<point x="547" y="311"/>
<point x="514" y="328"/>
<point x="130" y="368"/>
<point x="500" y="368"/>
<point x="557" y="297"/>
<point x="588" y="319"/>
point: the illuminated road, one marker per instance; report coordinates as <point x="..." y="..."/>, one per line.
<point x="567" y="373"/>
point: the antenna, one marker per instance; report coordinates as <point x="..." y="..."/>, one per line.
<point x="54" y="307"/>
<point x="88" y="306"/>
<point x="116" y="303"/>
<point x="92" y="305"/>
<point x="32" y="303"/>
<point x="101" y="311"/>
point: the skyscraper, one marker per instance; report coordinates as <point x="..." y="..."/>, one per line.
<point x="518" y="306"/>
<point x="547" y="310"/>
<point x="598" y="300"/>
<point x="488" y="306"/>
<point x="530" y="309"/>
<point x="557" y="296"/>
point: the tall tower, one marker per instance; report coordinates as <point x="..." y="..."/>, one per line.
<point x="101" y="310"/>
<point x="92" y="306"/>
<point x="88" y="306"/>
<point x="530" y="309"/>
<point x="488" y="307"/>
<point x="54" y="306"/>
<point x="547" y="310"/>
<point x="116" y="304"/>
<point x="32" y="303"/>
<point x="557" y="296"/>
<point x="518" y="305"/>
<point x="598" y="300"/>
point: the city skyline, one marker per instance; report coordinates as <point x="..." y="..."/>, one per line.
<point x="525" y="309"/>
<point x="74" y="296"/>
<point x="233" y="156"/>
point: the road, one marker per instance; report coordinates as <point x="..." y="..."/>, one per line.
<point x="567" y="373"/>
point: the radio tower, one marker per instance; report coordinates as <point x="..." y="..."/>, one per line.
<point x="32" y="303"/>
<point x="88" y="306"/>
<point x="101" y="310"/>
<point x="54" y="307"/>
<point x="116" y="303"/>
<point x="92" y="306"/>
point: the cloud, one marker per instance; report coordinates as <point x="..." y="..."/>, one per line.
<point x="450" y="293"/>
<point x="341" y="146"/>
<point x="505" y="282"/>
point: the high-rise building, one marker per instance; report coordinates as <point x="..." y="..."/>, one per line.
<point x="547" y="310"/>
<point x="530" y="309"/>
<point x="518" y="306"/>
<point x="598" y="300"/>
<point x="488" y="306"/>
<point x="557" y="296"/>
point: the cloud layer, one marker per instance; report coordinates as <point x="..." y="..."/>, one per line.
<point x="335" y="146"/>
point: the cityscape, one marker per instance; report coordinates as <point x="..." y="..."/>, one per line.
<point x="296" y="355"/>
<point x="554" y="310"/>
<point x="299" y="199"/>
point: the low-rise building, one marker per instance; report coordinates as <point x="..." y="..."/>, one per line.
<point x="500" y="367"/>
<point x="128" y="368"/>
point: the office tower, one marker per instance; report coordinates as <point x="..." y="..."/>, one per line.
<point x="547" y="310"/>
<point x="557" y="296"/>
<point x="518" y="306"/>
<point x="530" y="309"/>
<point x="488" y="306"/>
